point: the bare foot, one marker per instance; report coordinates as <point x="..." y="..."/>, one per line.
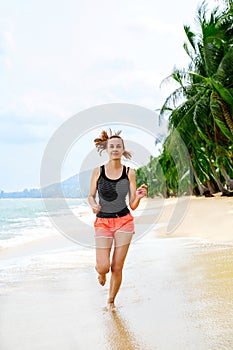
<point x="102" y="279"/>
<point x="111" y="305"/>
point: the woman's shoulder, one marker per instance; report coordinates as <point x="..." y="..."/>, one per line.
<point x="130" y="172"/>
<point x="96" y="172"/>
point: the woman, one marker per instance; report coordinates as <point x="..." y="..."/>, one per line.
<point x="114" y="222"/>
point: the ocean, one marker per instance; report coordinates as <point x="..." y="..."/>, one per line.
<point x="24" y="220"/>
<point x="31" y="247"/>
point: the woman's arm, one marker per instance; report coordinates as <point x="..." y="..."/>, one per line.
<point x="92" y="192"/>
<point x="135" y="195"/>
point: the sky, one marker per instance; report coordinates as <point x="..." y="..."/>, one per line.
<point x="58" y="58"/>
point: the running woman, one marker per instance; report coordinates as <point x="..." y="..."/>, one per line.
<point x="112" y="182"/>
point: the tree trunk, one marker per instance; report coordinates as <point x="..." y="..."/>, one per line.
<point x="229" y="181"/>
<point x="224" y="191"/>
<point x="210" y="187"/>
<point x="202" y="189"/>
<point x="225" y="110"/>
<point x="227" y="115"/>
<point x="216" y="178"/>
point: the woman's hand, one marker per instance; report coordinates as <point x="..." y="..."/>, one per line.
<point x="141" y="191"/>
<point x="96" y="208"/>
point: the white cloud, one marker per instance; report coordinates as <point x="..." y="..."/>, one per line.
<point x="58" y="60"/>
<point x="7" y="44"/>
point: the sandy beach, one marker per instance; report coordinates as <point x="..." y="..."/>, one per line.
<point x="176" y="292"/>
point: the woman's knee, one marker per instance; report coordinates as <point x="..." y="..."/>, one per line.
<point x="102" y="269"/>
<point x="116" y="268"/>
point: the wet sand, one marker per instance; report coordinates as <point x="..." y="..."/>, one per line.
<point x="176" y="292"/>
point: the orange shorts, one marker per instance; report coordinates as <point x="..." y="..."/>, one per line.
<point x="106" y="227"/>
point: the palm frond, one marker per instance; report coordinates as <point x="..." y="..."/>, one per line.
<point x="224" y="72"/>
<point x="172" y="100"/>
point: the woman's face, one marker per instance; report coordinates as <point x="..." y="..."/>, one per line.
<point x="115" y="148"/>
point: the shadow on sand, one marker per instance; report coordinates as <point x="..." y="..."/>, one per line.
<point x="118" y="334"/>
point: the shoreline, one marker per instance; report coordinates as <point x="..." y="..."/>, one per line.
<point x="176" y="292"/>
<point x="175" y="295"/>
<point x="207" y="219"/>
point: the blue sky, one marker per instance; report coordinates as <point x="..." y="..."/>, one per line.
<point x="61" y="57"/>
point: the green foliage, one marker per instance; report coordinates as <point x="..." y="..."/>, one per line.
<point x="199" y="110"/>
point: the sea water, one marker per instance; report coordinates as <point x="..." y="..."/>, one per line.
<point x="24" y="220"/>
<point x="25" y="250"/>
<point x="32" y="247"/>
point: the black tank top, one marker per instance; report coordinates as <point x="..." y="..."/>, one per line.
<point x="112" y="194"/>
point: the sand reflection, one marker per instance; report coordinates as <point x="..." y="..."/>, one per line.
<point x="211" y="297"/>
<point x="118" y="333"/>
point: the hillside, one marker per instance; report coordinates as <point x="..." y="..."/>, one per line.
<point x="76" y="186"/>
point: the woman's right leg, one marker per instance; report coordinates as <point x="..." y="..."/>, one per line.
<point x="122" y="242"/>
<point x="103" y="250"/>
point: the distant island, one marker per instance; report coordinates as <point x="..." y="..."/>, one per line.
<point x="76" y="186"/>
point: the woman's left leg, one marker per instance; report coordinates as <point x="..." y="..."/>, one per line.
<point x="103" y="249"/>
<point x="122" y="241"/>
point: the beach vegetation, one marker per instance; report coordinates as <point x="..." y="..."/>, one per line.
<point x="200" y="111"/>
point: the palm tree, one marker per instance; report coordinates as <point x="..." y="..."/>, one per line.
<point x="201" y="107"/>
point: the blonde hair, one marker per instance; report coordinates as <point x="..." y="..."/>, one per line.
<point x="102" y="142"/>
